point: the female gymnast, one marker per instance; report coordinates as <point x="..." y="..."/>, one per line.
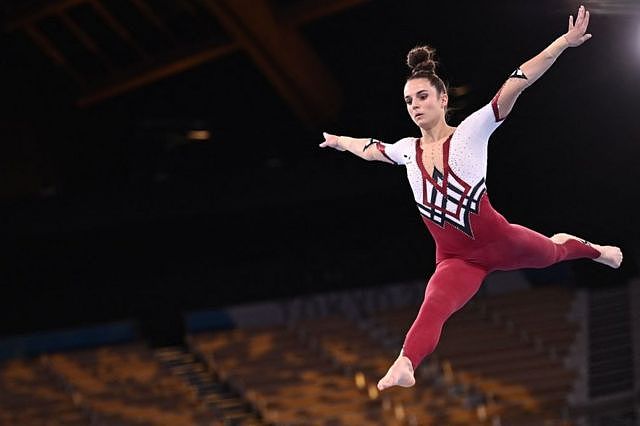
<point x="446" y="168"/>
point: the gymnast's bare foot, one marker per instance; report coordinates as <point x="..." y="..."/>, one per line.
<point x="399" y="374"/>
<point x="609" y="255"/>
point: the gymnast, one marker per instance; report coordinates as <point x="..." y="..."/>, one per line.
<point x="446" y="168"/>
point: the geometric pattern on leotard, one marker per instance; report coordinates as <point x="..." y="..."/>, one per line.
<point x="451" y="200"/>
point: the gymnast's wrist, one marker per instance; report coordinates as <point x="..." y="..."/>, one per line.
<point x="342" y="143"/>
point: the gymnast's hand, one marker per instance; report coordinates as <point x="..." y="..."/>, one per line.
<point x="331" y="141"/>
<point x="575" y="35"/>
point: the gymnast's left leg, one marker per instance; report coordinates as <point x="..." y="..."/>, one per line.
<point x="453" y="283"/>
<point x="525" y="248"/>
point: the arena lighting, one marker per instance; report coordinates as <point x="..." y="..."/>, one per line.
<point x="624" y="8"/>
<point x="627" y="11"/>
<point x="198" y="135"/>
<point x="460" y="90"/>
<point x="638" y="38"/>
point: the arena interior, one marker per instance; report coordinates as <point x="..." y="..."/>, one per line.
<point x="177" y="249"/>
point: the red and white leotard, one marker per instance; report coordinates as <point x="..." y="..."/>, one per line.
<point x="472" y="238"/>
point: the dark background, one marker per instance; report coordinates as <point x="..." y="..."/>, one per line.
<point x="107" y="212"/>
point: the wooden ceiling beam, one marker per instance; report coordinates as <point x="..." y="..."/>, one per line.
<point x="41" y="12"/>
<point x="152" y="17"/>
<point x="85" y="39"/>
<point x="267" y="35"/>
<point x="116" y="27"/>
<point x="52" y="52"/>
<point x="282" y="55"/>
<point x="306" y="11"/>
<point x="297" y="14"/>
<point x="173" y="65"/>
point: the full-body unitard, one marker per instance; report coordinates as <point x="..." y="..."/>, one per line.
<point x="472" y="238"/>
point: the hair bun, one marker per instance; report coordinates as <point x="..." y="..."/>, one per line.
<point x="421" y="58"/>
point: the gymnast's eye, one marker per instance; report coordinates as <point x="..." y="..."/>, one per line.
<point x="407" y="100"/>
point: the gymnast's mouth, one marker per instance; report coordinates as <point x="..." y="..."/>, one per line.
<point x="418" y="115"/>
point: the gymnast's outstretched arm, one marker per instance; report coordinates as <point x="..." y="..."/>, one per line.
<point x="533" y="69"/>
<point x="363" y="148"/>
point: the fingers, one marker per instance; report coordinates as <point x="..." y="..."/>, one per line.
<point x="586" y="20"/>
<point x="582" y="19"/>
<point x="580" y="16"/>
<point x="577" y="29"/>
<point x="326" y="142"/>
<point x="582" y="27"/>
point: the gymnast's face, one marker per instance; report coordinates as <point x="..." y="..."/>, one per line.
<point x="425" y="105"/>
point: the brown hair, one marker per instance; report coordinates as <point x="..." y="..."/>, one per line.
<point x="422" y="64"/>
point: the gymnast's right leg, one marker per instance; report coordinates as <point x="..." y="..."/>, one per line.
<point x="451" y="286"/>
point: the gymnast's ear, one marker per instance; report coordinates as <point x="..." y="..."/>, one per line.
<point x="444" y="100"/>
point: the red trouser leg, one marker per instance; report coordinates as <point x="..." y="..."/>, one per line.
<point x="451" y="286"/>
<point x="524" y="248"/>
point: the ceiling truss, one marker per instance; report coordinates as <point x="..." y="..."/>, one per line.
<point x="269" y="35"/>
